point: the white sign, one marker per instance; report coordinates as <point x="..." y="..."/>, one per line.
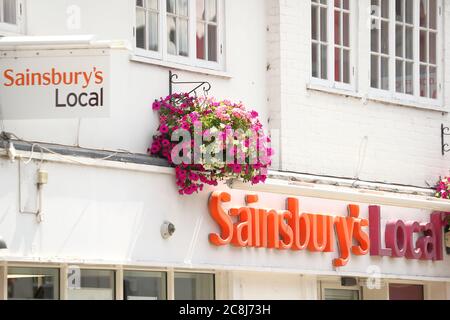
<point x="48" y="86"/>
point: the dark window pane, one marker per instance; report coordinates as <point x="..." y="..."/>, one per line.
<point x="385" y="9"/>
<point x="423" y="13"/>
<point x="139" y="285"/>
<point x="9" y="11"/>
<point x="346" y="67"/>
<point x="423" y="46"/>
<point x="433" y="83"/>
<point x="212" y="43"/>
<point x="409" y="16"/>
<point x="374" y="71"/>
<point x="409" y="43"/>
<point x="346" y="4"/>
<point x="384" y="73"/>
<point x="315" y="60"/>
<point x="323" y="24"/>
<point x="171" y="35"/>
<point x="170" y="6"/>
<point x="140" y="28"/>
<point x="191" y="286"/>
<point x="201" y="41"/>
<point x="346" y="29"/>
<point x="153" y="31"/>
<point x="399" y="7"/>
<point x="337" y="64"/>
<point x="374" y="42"/>
<point x="423" y="81"/>
<point x="314" y="22"/>
<point x="337" y="27"/>
<point x="341" y="294"/>
<point x="432" y="48"/>
<point x="409" y="79"/>
<point x="323" y="62"/>
<point x="399" y="40"/>
<point x="94" y="285"/>
<point x="385" y="37"/>
<point x="399" y="77"/>
<point x="33" y="283"/>
<point x="433" y="14"/>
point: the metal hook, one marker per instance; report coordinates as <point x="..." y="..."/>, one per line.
<point x="205" y="85"/>
<point x="445" y="131"/>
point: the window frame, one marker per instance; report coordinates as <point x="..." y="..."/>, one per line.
<point x="7" y="29"/>
<point x="391" y="94"/>
<point x="57" y="288"/>
<point x="335" y="285"/>
<point x="191" y="60"/>
<point x="330" y="82"/>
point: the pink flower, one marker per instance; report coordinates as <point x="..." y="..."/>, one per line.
<point x="156" y="105"/>
<point x="254" y="114"/>
<point x="164" y="129"/>
<point x="165" y="143"/>
<point x="237" y="168"/>
<point x="193" y="177"/>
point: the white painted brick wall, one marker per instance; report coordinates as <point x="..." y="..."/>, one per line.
<point x="329" y="134"/>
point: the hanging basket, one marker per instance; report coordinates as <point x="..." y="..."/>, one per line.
<point x="209" y="141"/>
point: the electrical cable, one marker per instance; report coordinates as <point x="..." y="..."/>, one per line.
<point x="64" y="157"/>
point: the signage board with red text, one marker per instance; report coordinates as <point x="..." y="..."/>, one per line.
<point x="304" y="228"/>
<point x="48" y="85"/>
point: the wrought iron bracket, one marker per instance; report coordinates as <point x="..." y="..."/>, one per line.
<point x="445" y="131"/>
<point x="205" y="85"/>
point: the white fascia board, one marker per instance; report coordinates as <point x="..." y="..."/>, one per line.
<point x="346" y="194"/>
<point x="59" y="42"/>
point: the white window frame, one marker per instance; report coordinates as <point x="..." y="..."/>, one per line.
<point x="353" y="34"/>
<point x="162" y="53"/>
<point x="392" y="94"/>
<point x="7" y="29"/>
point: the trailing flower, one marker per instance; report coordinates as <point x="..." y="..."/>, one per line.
<point x="208" y="141"/>
<point x="443" y="188"/>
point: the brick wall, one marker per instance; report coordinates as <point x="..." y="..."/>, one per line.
<point x="330" y="134"/>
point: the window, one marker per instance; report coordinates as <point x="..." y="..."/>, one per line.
<point x="178" y="27"/>
<point x="147" y="24"/>
<point x="8" y="11"/>
<point x="182" y="31"/>
<point x="319" y="21"/>
<point x="94" y="285"/>
<point x="408" y="67"/>
<point x="333" y="290"/>
<point x="428" y="48"/>
<point x="33" y="283"/>
<point x="10" y="16"/>
<point x="340" y="294"/>
<point x="379" y="45"/>
<point x="331" y="48"/>
<point x="207" y="44"/>
<point x="194" y="286"/>
<point x="140" y="285"/>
